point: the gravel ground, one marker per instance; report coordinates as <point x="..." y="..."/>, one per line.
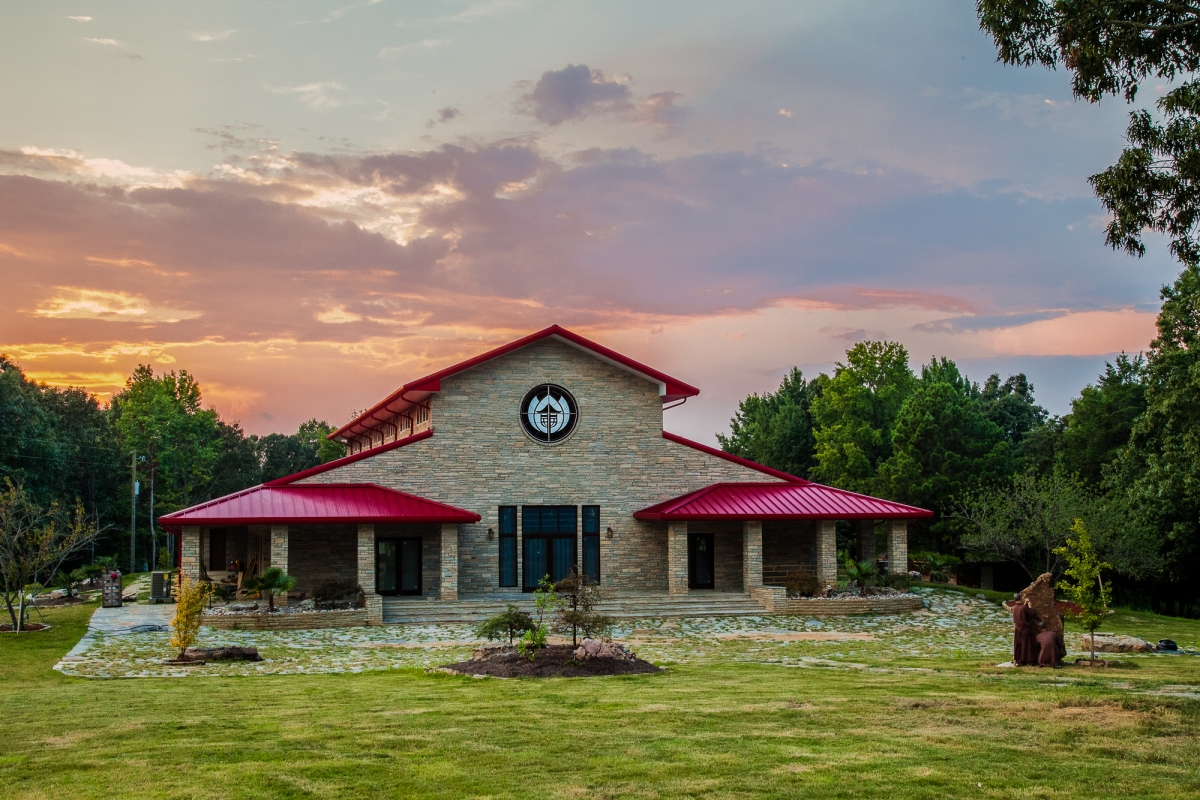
<point x="952" y="625"/>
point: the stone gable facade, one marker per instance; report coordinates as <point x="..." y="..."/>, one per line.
<point x="479" y="458"/>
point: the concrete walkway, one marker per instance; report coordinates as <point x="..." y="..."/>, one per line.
<point x="129" y="618"/>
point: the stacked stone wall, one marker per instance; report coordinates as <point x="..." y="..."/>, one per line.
<point x="286" y="622"/>
<point x="479" y="459"/>
<point x="319" y="554"/>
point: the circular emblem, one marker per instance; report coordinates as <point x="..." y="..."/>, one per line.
<point x="549" y="413"/>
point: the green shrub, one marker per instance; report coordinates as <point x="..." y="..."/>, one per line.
<point x="508" y="623"/>
<point x="272" y="582"/>
<point x="801" y="583"/>
<point x="335" y="590"/>
<point x="898" y="581"/>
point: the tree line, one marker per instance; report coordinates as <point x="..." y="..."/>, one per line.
<point x="62" y="447"/>
<point x="1004" y="479"/>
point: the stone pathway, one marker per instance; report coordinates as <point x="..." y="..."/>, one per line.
<point x="951" y="625"/>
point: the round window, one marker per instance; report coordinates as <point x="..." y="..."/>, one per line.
<point x="549" y="413"/>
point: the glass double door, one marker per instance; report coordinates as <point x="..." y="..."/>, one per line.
<point x="398" y="565"/>
<point x="547" y="555"/>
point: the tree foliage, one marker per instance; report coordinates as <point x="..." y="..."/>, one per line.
<point x="1102" y="418"/>
<point x="855" y="412"/>
<point x="189" y="605"/>
<point x="776" y="428"/>
<point x="1110" y="47"/>
<point x="509" y="623"/>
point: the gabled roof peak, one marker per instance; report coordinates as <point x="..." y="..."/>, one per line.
<point x="414" y="392"/>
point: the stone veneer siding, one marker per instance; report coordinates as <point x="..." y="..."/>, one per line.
<point x="320" y="554"/>
<point x="479" y="459"/>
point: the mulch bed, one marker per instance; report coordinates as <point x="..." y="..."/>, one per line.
<point x="28" y="627"/>
<point x="551" y="662"/>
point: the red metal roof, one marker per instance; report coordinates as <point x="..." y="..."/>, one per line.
<point x="802" y="500"/>
<point x="308" y="503"/>
<point x="745" y="462"/>
<point x="670" y="389"/>
<point x="344" y="460"/>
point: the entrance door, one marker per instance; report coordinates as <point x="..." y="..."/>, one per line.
<point x="398" y="565"/>
<point x="700" y="561"/>
<point x="547" y="555"/>
<point x="216" y="550"/>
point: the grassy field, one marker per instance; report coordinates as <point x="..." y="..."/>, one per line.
<point x="952" y="727"/>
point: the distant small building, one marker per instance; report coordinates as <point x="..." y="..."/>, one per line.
<point x="540" y="457"/>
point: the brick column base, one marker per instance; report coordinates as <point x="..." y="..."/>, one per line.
<point x="448" y="588"/>
<point x="279" y="556"/>
<point x="366" y="572"/>
<point x="677" y="559"/>
<point x="827" y="553"/>
<point x="189" y="545"/>
<point x="897" y="543"/>
<point x="752" y="563"/>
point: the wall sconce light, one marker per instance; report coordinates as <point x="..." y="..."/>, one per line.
<point x="608" y="534"/>
<point x="491" y="534"/>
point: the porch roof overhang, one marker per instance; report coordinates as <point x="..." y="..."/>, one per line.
<point x="766" y="501"/>
<point x="317" y="503"/>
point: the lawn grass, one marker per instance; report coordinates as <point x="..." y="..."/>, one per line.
<point x="956" y="727"/>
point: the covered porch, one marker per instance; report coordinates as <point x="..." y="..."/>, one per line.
<point x="380" y="540"/>
<point x="785" y="528"/>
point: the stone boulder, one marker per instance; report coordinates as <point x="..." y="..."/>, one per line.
<point x="1040" y="595"/>
<point x="1114" y="643"/>
<point x="603" y="648"/>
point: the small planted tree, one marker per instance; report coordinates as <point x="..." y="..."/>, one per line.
<point x="1082" y="582"/>
<point x="577" y="610"/>
<point x="35" y="540"/>
<point x="545" y="602"/>
<point x="273" y="581"/>
<point x="510" y="622"/>
<point x="185" y="626"/>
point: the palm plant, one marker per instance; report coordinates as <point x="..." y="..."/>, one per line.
<point x="271" y="582"/>
<point x="862" y="573"/>
<point x="69" y="580"/>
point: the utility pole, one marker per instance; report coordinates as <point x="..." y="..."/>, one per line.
<point x="133" y="493"/>
<point x="153" y="529"/>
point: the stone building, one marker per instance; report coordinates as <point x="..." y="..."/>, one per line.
<point x="537" y="458"/>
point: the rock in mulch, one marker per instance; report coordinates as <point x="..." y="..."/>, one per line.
<point x="1114" y="643"/>
<point x="555" y="661"/>
<point x="194" y="654"/>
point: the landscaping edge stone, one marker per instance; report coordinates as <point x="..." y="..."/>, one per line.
<point x="286" y="621"/>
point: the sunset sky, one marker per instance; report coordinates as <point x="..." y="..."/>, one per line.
<point x="307" y="204"/>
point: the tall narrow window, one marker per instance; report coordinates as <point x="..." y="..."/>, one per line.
<point x="591" y="543"/>
<point x="508" y="546"/>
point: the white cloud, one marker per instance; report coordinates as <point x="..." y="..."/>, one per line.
<point x="81" y="19"/>
<point x="211" y="36"/>
<point x="336" y="316"/>
<point x="317" y="96"/>
<point x="75" y="303"/>
<point x="424" y="44"/>
<point x="783" y="112"/>
<point x="102" y="41"/>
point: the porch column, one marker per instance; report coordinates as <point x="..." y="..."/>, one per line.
<point x="752" y="563"/>
<point x="827" y="553"/>
<point x="448" y="588"/>
<point x="279" y="555"/>
<point x="189" y="543"/>
<point x="366" y="572"/>
<point x="897" y="544"/>
<point x="866" y="540"/>
<point x="677" y="559"/>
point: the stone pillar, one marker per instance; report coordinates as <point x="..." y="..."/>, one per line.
<point x="866" y="540"/>
<point x="752" y="563"/>
<point x="826" y="553"/>
<point x="448" y="588"/>
<point x="189" y="543"/>
<point x="677" y="559"/>
<point x="279" y="555"/>
<point x="366" y="572"/>
<point x="897" y="544"/>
